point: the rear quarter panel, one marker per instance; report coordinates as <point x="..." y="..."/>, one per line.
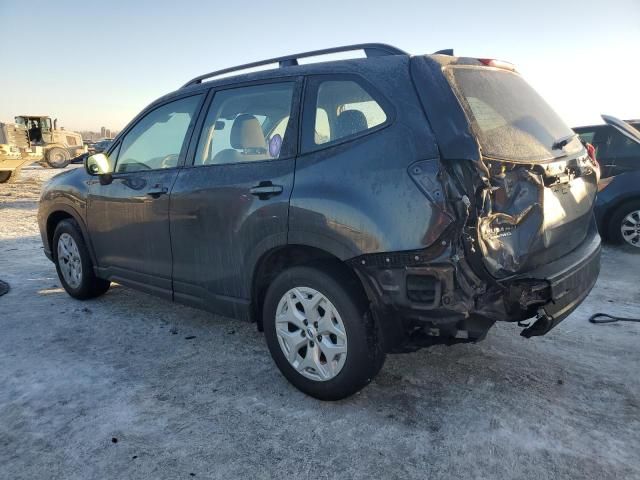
<point x="357" y="197"/>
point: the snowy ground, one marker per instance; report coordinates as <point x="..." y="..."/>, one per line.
<point x="111" y="388"/>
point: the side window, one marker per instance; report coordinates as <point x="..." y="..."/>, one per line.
<point x="280" y="128"/>
<point x="321" y="131"/>
<point x="246" y="124"/>
<point x="622" y="147"/>
<point x="113" y="155"/>
<point x="344" y="108"/>
<point x="600" y="141"/>
<point x="587" y="136"/>
<point x="156" y="140"/>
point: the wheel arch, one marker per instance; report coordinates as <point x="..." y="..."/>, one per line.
<point x="275" y="261"/>
<point x="612" y="208"/>
<point x="64" y="212"/>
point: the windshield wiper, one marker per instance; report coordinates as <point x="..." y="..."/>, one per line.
<point x="559" y="144"/>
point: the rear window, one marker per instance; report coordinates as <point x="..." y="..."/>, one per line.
<point x="510" y="120"/>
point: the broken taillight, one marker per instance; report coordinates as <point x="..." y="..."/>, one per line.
<point x="591" y="151"/>
<point x="492" y="62"/>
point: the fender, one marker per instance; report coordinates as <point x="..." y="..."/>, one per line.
<point x="71" y="211"/>
<point x="621" y="188"/>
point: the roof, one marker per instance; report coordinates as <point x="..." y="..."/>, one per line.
<point x="370" y="50"/>
<point x="364" y="66"/>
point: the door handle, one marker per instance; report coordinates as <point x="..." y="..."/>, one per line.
<point x="265" y="190"/>
<point x="157" y="190"/>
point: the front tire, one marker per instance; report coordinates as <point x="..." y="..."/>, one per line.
<point x="320" y="332"/>
<point x="58" y="157"/>
<point x="5" y="176"/>
<point x="624" y="227"/>
<point x="73" y="263"/>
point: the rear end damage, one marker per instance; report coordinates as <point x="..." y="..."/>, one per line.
<point x="502" y="259"/>
<point x="522" y="245"/>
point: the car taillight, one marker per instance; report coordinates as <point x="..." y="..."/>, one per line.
<point x="492" y="62"/>
<point x="591" y="152"/>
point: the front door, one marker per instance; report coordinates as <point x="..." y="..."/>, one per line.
<point x="231" y="204"/>
<point x="128" y="216"/>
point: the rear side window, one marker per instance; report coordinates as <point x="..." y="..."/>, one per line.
<point x="510" y="120"/>
<point x="587" y="135"/>
<point x="342" y="109"/>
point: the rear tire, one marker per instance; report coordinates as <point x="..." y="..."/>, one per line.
<point x="347" y="358"/>
<point x="5" y="176"/>
<point x="58" y="157"/>
<point x="73" y="262"/>
<point x="626" y="218"/>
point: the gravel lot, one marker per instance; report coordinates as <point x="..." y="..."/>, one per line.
<point x="130" y="386"/>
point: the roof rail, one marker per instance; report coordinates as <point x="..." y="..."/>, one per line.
<point x="370" y="50"/>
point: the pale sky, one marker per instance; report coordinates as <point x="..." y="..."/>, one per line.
<point x="98" y="63"/>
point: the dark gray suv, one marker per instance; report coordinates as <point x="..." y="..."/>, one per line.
<point x="350" y="208"/>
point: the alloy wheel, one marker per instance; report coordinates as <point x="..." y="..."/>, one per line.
<point x="69" y="260"/>
<point x="311" y="333"/>
<point x="630" y="228"/>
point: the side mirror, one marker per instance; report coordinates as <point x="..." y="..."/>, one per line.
<point x="97" y="164"/>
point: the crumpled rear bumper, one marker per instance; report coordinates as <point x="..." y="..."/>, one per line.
<point x="570" y="280"/>
<point x="408" y="293"/>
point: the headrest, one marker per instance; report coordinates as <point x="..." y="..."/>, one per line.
<point x="246" y="133"/>
<point x="350" y="122"/>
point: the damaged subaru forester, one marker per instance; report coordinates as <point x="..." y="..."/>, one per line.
<point x="351" y="208"/>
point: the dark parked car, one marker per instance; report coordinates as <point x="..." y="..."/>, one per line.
<point x="102" y="145"/>
<point x="351" y="208"/>
<point x="617" y="207"/>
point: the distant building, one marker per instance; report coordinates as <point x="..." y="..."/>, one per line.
<point x="92" y="136"/>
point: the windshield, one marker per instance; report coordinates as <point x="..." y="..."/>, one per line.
<point x="510" y="119"/>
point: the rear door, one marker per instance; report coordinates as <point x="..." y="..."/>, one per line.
<point x="129" y="216"/>
<point x="231" y="204"/>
